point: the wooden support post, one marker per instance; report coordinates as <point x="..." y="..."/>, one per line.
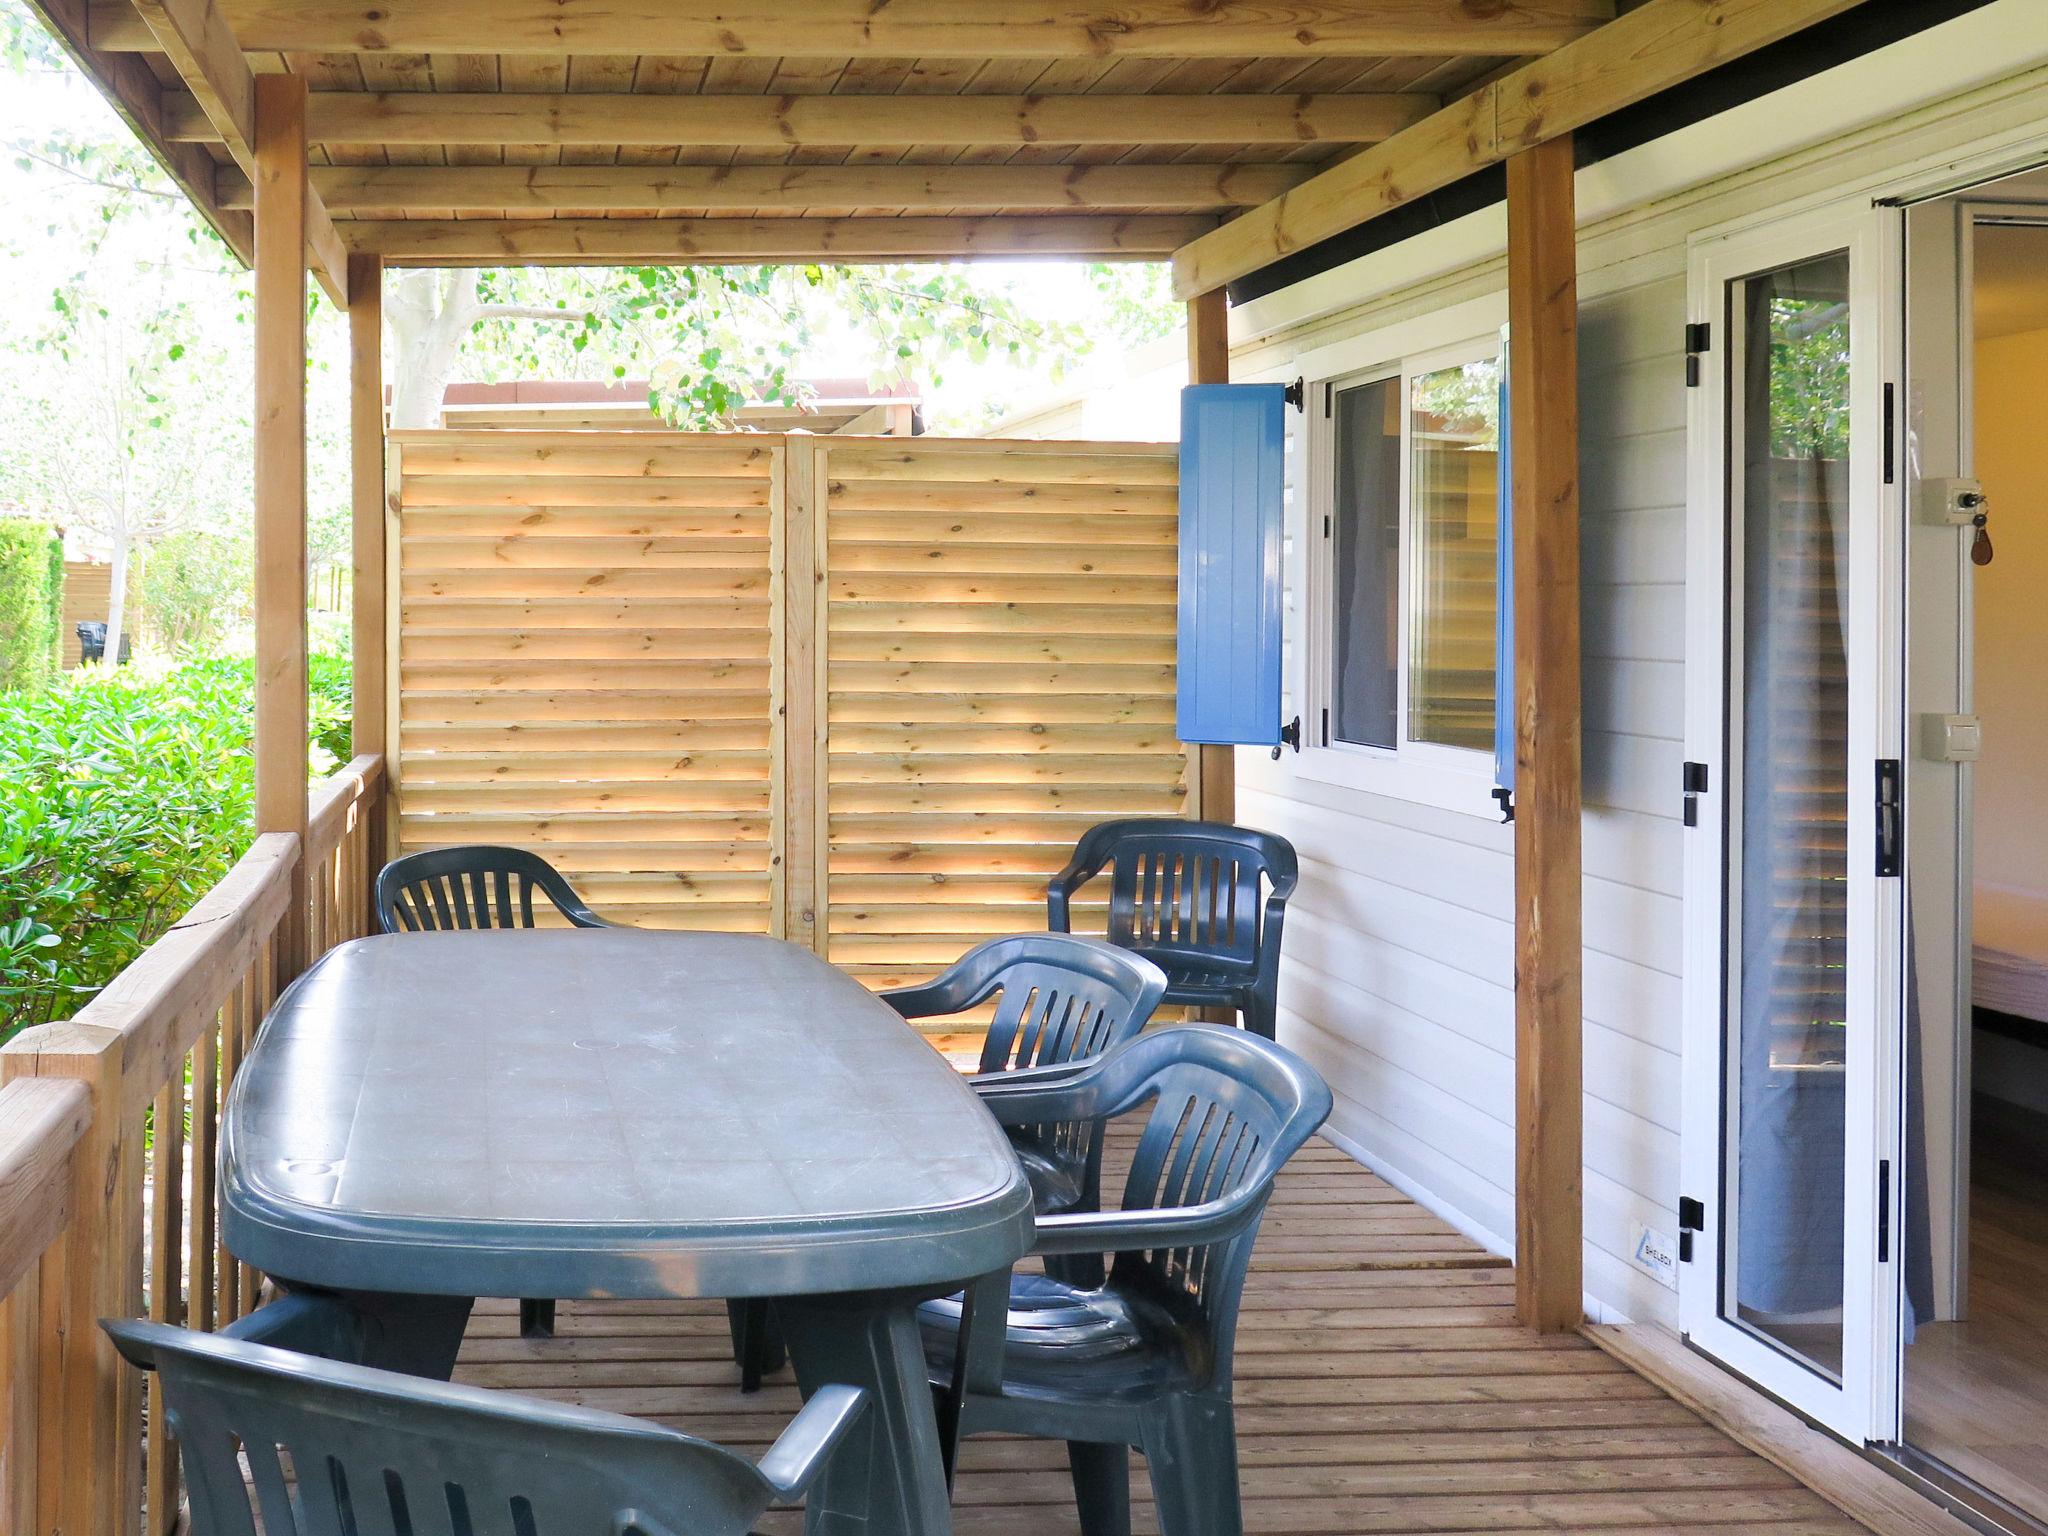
<point x="1214" y="768"/>
<point x="366" y="491"/>
<point x="1543" y="391"/>
<point x="800" y="720"/>
<point x="281" y="483"/>
<point x="87" y="1442"/>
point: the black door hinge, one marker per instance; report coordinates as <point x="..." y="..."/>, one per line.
<point x="1884" y="1211"/>
<point x="1692" y="1217"/>
<point x="1695" y="786"/>
<point x="1890" y="818"/>
<point x="1699" y="339"/>
<point x="1294" y="393"/>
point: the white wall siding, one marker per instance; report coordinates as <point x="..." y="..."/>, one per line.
<point x="1398" y="981"/>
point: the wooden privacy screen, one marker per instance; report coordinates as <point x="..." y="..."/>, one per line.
<point x="861" y="693"/>
<point x="585" y="638"/>
<point x="1000" y="677"/>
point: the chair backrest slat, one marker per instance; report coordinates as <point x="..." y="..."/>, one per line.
<point x="472" y="888"/>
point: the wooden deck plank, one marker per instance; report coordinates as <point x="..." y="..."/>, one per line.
<point x="1382" y="1391"/>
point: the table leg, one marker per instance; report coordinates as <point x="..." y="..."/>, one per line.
<point x="888" y="1478"/>
<point x="416" y="1335"/>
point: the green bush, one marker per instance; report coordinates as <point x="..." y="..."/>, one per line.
<point x="124" y="795"/>
<point x="30" y="603"/>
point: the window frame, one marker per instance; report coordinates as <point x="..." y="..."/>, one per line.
<point x="1450" y="778"/>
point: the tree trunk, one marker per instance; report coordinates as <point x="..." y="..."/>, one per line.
<point x="429" y="313"/>
<point x="117" y="600"/>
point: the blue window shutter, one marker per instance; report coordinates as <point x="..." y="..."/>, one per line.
<point x="1232" y="469"/>
<point x="1504" y="601"/>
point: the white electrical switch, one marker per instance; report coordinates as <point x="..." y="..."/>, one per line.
<point x="1952" y="738"/>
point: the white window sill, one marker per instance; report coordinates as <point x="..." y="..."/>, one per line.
<point x="1444" y="782"/>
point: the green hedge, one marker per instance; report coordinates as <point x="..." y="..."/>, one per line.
<point x="31" y="603"/>
<point x="124" y="795"/>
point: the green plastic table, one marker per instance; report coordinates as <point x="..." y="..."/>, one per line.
<point x="428" y="1118"/>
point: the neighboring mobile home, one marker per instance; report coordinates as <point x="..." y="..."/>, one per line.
<point x="1759" y="967"/>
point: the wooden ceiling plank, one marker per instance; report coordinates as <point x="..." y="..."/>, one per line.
<point x="905" y="29"/>
<point x="1660" y="44"/>
<point x="481" y="242"/>
<point x="657" y="189"/>
<point x="791" y="118"/>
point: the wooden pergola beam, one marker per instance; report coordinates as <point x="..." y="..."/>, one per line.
<point x="679" y="189"/>
<point x="860" y="29"/>
<point x="496" y="242"/>
<point x="1661" y="44"/>
<point x="788" y="122"/>
<point x="196" y="39"/>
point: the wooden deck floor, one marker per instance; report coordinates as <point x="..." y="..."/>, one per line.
<point x="1382" y="1387"/>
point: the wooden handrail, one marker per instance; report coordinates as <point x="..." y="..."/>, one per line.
<point x="327" y="817"/>
<point x="97" y="1109"/>
<point x="158" y="1004"/>
<point x="41" y="1120"/>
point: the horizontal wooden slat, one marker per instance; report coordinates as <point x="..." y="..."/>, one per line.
<point x="851" y="494"/>
<point x="905" y="29"/>
<point x="722" y="492"/>
<point x="779" y="122"/>
<point x="678" y="189"/>
<point x="724" y="527"/>
<point x="586" y="643"/>
<point x="562" y="240"/>
<point x="998" y="587"/>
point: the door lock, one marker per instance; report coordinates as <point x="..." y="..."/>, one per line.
<point x="1960" y="504"/>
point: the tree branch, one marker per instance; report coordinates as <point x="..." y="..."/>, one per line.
<point x="93" y="181"/>
<point x="528" y="312"/>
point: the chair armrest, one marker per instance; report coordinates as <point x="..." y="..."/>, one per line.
<point x="581" y="916"/>
<point x="1026" y="1078"/>
<point x="1059" y="890"/>
<point x="932" y="999"/>
<point x="1187" y="1226"/>
<point x="1036" y="1095"/>
<point x="800" y="1453"/>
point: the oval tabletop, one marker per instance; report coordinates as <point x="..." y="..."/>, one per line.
<point x="606" y="1113"/>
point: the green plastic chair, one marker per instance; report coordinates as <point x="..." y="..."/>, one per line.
<point x="374" y="1451"/>
<point x="1145" y="1358"/>
<point x="477" y="886"/>
<point x="1204" y="899"/>
<point x="1061" y="1001"/>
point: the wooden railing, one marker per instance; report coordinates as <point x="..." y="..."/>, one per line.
<point x="108" y="1125"/>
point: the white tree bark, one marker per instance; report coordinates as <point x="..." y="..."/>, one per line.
<point x="117" y="602"/>
<point x="429" y="314"/>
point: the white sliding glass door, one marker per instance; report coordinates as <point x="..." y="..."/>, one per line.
<point x="1795" y="804"/>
